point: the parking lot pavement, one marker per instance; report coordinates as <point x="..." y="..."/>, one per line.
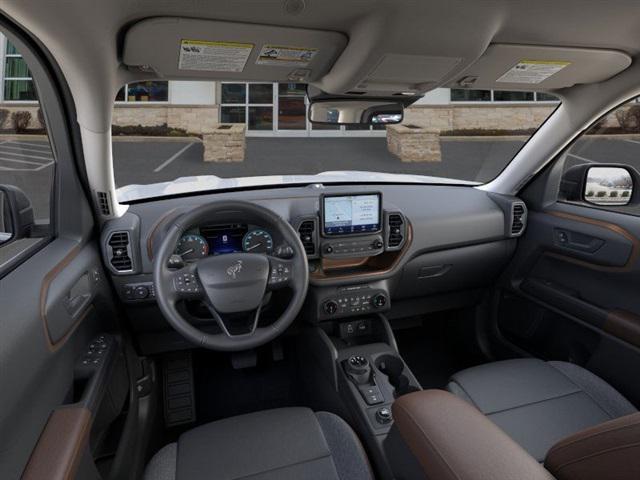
<point x="28" y="164"/>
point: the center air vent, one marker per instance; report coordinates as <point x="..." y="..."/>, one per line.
<point x="307" y="232"/>
<point x="119" y="252"/>
<point x="396" y="231"/>
<point x="518" y="219"/>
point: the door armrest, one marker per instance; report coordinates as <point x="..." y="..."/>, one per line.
<point x="452" y="440"/>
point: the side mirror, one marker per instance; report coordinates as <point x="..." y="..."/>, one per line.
<point x="350" y="112"/>
<point x="603" y="185"/>
<point x="16" y="214"/>
<point x="608" y="186"/>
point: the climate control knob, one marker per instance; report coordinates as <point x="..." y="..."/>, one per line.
<point x="379" y="300"/>
<point x="330" y="307"/>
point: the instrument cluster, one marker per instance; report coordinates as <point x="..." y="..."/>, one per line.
<point x="208" y="240"/>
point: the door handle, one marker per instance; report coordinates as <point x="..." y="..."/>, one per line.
<point x="79" y="296"/>
<point x="577" y="241"/>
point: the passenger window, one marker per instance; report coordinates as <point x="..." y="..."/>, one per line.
<point x="27" y="165"/>
<point x="602" y="167"/>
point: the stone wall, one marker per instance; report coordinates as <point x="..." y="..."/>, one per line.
<point x="488" y="117"/>
<point x="12" y="107"/>
<point x="192" y="118"/>
<point x="412" y="144"/>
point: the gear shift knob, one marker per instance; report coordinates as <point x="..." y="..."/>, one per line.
<point x="358" y="368"/>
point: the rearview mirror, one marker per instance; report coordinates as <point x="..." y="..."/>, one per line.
<point x="608" y="186"/>
<point x="349" y="112"/>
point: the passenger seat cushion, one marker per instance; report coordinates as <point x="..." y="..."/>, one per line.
<point x="283" y="444"/>
<point x="538" y="403"/>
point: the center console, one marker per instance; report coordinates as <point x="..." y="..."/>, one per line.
<point x="359" y="359"/>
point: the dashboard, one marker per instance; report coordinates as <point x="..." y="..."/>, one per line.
<point x="395" y="249"/>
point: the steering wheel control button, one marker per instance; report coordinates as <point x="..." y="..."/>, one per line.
<point x="280" y="273"/>
<point x="186" y="283"/>
<point x="383" y="415"/>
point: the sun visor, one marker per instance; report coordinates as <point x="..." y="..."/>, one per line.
<point x="526" y="67"/>
<point x="180" y="48"/>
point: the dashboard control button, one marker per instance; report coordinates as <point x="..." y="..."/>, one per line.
<point x="330" y="307"/>
<point x="328" y="249"/>
<point x="141" y="292"/>
<point x="379" y="300"/>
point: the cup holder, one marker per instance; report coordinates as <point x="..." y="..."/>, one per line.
<point x="393" y="368"/>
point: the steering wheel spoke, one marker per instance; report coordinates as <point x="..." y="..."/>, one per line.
<point x="184" y="284"/>
<point x="280" y="273"/>
<point x="227" y="326"/>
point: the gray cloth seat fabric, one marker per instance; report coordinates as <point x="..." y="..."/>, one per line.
<point x="538" y="403"/>
<point x="284" y="444"/>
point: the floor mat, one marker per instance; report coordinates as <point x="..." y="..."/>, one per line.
<point x="222" y="392"/>
<point x="435" y="349"/>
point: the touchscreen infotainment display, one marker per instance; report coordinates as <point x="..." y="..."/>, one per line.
<point x="351" y="214"/>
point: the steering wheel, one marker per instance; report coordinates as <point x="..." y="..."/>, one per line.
<point x="231" y="284"/>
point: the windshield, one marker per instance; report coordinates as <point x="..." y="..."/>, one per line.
<point x="173" y="137"/>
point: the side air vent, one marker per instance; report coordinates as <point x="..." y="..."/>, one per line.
<point x="119" y="252"/>
<point x="518" y="219"/>
<point x="396" y="231"/>
<point x="307" y="232"/>
<point x="103" y="203"/>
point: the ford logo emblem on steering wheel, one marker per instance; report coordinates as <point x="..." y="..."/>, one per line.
<point x="235" y="269"/>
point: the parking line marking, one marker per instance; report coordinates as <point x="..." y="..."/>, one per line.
<point x="631" y="141"/>
<point x="31" y="144"/>
<point x="20" y="161"/>
<point x="37" y="157"/>
<point x="584" y="159"/>
<point x="22" y="149"/>
<point x="173" y="157"/>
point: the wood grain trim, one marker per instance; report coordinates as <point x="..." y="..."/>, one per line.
<point x="365" y="268"/>
<point x="44" y="290"/>
<point x="59" y="450"/>
<point x="624" y="325"/>
<point x="635" y="243"/>
<point x="154" y="231"/>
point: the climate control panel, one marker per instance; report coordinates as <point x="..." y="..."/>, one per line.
<point x="354" y="300"/>
<point x="349" y="247"/>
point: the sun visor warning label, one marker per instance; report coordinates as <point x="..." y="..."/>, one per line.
<point x="213" y="56"/>
<point x="285" y="56"/>
<point x="532" y="71"/>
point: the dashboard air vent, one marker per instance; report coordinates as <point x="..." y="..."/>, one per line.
<point x="396" y="235"/>
<point x="103" y="203"/>
<point x="119" y="254"/>
<point x="307" y="232"/>
<point x="518" y="219"/>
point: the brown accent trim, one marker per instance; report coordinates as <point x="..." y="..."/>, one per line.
<point x="44" y="290"/>
<point x="59" y="450"/>
<point x="154" y="230"/>
<point x="635" y="249"/>
<point x="358" y="268"/>
<point x="624" y="325"/>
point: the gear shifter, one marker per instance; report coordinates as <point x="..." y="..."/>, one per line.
<point x="359" y="369"/>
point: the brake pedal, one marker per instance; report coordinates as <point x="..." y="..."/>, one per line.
<point x="179" y="402"/>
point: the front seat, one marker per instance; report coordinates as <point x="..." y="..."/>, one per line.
<point x="283" y="444"/>
<point x="538" y="403"/>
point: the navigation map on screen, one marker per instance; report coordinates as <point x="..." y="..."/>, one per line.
<point x="351" y="214"/>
